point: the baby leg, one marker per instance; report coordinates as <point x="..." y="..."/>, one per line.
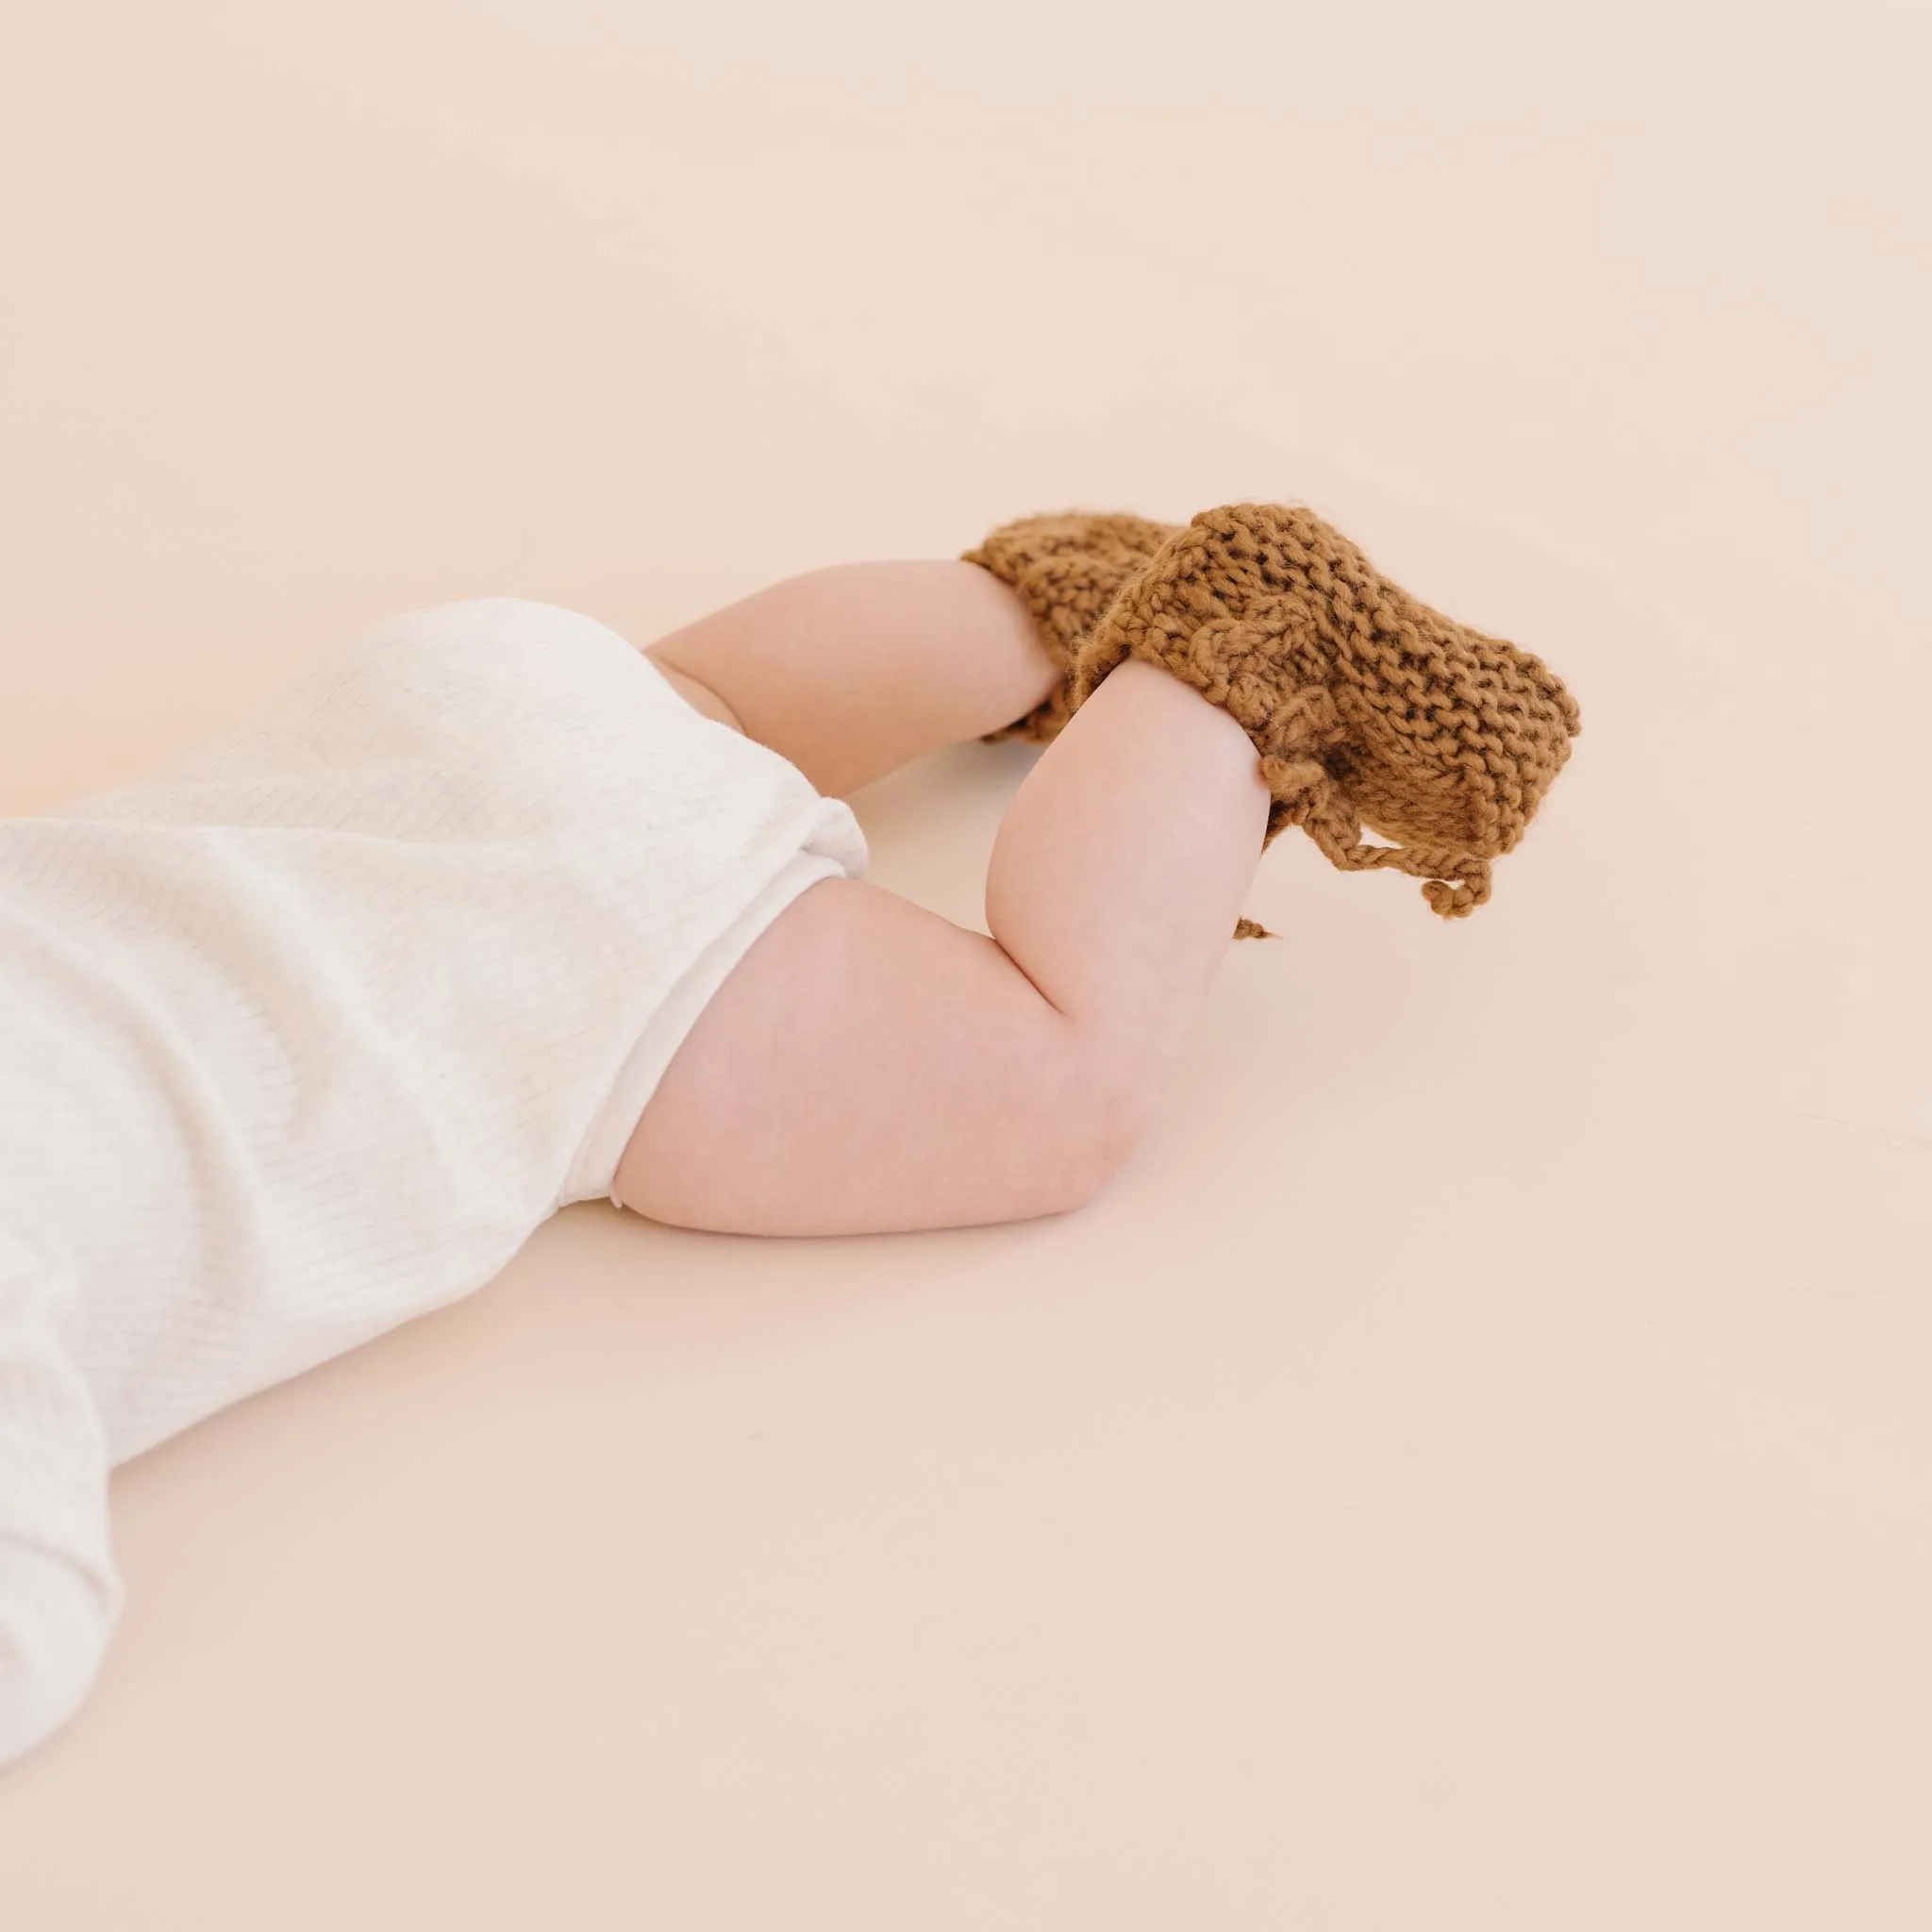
<point x="870" y="1066"/>
<point x="854" y="670"/>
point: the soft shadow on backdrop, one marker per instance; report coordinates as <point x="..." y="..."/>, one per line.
<point x="1476" y="1471"/>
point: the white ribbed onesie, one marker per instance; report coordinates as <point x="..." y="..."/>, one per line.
<point x="303" y="1038"/>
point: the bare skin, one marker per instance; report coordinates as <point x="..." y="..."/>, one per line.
<point x="869" y="1066"/>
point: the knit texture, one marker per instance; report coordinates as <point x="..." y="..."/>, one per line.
<point x="1068" y="569"/>
<point x="1367" y="706"/>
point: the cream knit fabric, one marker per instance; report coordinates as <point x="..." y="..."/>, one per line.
<point x="305" y="1036"/>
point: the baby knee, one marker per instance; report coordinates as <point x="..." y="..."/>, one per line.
<point x="1112" y="1100"/>
<point x="54" y="1627"/>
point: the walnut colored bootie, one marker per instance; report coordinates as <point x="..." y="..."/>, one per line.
<point x="1068" y="567"/>
<point x="1367" y="706"/>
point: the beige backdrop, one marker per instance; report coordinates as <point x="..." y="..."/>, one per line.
<point x="1475" y="1473"/>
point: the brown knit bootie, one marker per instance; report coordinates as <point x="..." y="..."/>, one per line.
<point x="1068" y="567"/>
<point x="1367" y="706"/>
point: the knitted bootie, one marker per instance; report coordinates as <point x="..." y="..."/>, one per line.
<point x="1367" y="706"/>
<point x="1067" y="567"/>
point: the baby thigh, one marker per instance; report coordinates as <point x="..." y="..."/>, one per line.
<point x="870" y="1067"/>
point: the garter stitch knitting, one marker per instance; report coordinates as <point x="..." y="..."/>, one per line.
<point x="1068" y="569"/>
<point x="1366" y="706"/>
